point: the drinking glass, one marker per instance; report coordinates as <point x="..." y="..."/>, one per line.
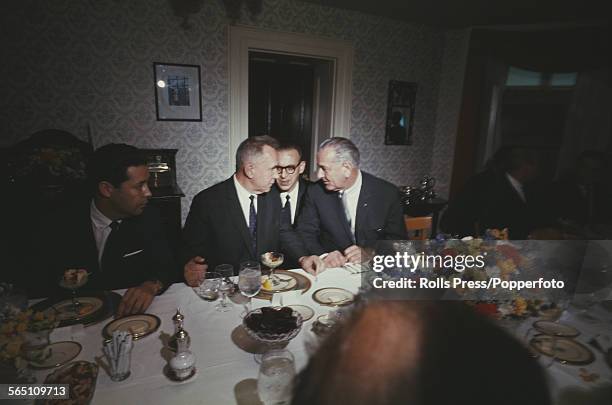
<point x="226" y="286"/>
<point x="272" y="260"/>
<point x="249" y="281"/>
<point x="73" y="287"/>
<point x="276" y="374"/>
<point x="209" y="287"/>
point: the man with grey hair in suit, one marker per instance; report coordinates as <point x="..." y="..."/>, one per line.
<point x="344" y="213"/>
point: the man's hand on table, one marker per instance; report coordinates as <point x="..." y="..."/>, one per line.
<point x="357" y="255"/>
<point x="194" y="271"/>
<point x="334" y="259"/>
<point x="312" y="264"/>
<point x="136" y="300"/>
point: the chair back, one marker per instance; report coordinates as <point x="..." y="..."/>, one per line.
<point x="417" y="228"/>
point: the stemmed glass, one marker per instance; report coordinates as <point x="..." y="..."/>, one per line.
<point x="226" y="271"/>
<point x="249" y="281"/>
<point x="72" y="280"/>
<point x="209" y="287"/>
<point x="272" y="260"/>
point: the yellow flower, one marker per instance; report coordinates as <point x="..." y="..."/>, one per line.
<point x="7" y="328"/>
<point x="39" y="316"/>
<point x="21" y="327"/>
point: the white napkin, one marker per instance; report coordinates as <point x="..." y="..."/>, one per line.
<point x="356" y="268"/>
<point x="286" y="298"/>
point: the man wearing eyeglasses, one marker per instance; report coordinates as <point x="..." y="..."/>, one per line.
<point x="290" y="183"/>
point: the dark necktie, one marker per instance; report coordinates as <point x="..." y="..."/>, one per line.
<point x="109" y="246"/>
<point x="286" y="212"/>
<point x="253" y="225"/>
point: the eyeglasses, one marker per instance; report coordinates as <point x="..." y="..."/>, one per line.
<point x="288" y="169"/>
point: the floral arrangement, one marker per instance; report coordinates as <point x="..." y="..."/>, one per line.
<point x="52" y="164"/>
<point x="14" y="330"/>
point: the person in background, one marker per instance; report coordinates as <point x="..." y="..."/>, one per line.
<point x="237" y="219"/>
<point x="420" y="353"/>
<point x="345" y="213"/>
<point x="115" y="236"/>
<point x="503" y="196"/>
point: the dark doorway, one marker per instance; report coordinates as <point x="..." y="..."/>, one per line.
<point x="284" y="93"/>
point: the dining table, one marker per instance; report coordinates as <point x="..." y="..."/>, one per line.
<point x="226" y="367"/>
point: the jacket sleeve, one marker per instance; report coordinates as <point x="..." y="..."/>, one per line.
<point x="395" y="228"/>
<point x="196" y="237"/>
<point x="309" y="226"/>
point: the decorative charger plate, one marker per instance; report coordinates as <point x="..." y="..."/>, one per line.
<point x="567" y="350"/>
<point x="62" y="307"/>
<point x="88" y="306"/>
<point x="556" y="329"/>
<point x="304" y="284"/>
<point x="60" y="354"/>
<point x="139" y="325"/>
<point x="285" y="282"/>
<point x="81" y="378"/>
<point x="303" y="310"/>
<point x="333" y="296"/>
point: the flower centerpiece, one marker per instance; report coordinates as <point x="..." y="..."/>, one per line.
<point x="24" y="334"/>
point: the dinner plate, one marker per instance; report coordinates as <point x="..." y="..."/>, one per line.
<point x="89" y="306"/>
<point x="110" y="302"/>
<point x="333" y="296"/>
<point x="303" y="310"/>
<point x="567" y="350"/>
<point x="60" y="354"/>
<point x="556" y="329"/>
<point x="286" y="282"/>
<point x="139" y="325"/>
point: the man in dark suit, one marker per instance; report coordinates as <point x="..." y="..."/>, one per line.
<point x="114" y="236"/>
<point x="291" y="185"/>
<point x="503" y="196"/>
<point x="345" y="213"/>
<point x="237" y="219"/>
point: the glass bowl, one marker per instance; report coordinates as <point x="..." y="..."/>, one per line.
<point x="270" y="337"/>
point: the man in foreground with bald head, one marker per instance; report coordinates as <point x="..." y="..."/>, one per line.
<point x="238" y="219"/>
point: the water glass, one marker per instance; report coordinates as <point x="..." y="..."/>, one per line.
<point x="276" y="375"/>
<point x="209" y="287"/>
<point x="226" y="286"/>
<point x="249" y="280"/>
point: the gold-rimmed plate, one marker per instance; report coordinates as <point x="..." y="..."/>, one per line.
<point x="304" y="310"/>
<point x="88" y="306"/>
<point x="556" y="329"/>
<point x="60" y="353"/>
<point x="139" y="325"/>
<point x="567" y="351"/>
<point x="333" y="296"/>
<point x="285" y="282"/>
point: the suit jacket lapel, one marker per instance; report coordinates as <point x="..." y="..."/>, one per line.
<point x="235" y="211"/>
<point x="363" y="208"/>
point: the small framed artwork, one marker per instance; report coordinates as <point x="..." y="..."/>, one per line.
<point x="400" y="113"/>
<point x="177" y="92"/>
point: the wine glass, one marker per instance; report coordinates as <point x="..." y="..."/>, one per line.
<point x="226" y="286"/>
<point x="249" y="281"/>
<point x="72" y="280"/>
<point x="276" y="375"/>
<point x="272" y="260"/>
<point x="209" y="287"/>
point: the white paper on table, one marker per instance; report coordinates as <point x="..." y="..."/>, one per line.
<point x="286" y="298"/>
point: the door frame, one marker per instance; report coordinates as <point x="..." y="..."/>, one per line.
<point x="243" y="39"/>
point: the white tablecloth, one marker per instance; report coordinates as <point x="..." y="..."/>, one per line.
<point x="227" y="374"/>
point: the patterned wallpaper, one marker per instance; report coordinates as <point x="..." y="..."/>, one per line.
<point x="86" y="67"/>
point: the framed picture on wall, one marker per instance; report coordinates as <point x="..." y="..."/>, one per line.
<point x="400" y="113"/>
<point x="177" y="92"/>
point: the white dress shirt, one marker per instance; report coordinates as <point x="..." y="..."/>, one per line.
<point x="352" y="199"/>
<point x="245" y="200"/>
<point x="100" y="225"/>
<point x="293" y="197"/>
<point x="517" y="186"/>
